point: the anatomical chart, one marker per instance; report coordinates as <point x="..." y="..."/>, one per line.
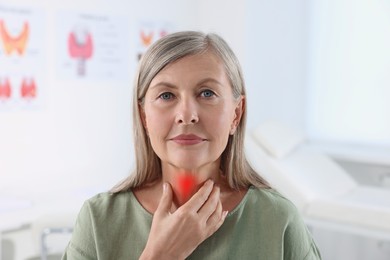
<point x="21" y="57"/>
<point x="149" y="32"/>
<point x="93" y="47"/>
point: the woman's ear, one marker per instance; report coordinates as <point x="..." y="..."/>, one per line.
<point x="238" y="111"/>
<point x="142" y="116"/>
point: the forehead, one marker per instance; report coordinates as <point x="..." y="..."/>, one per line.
<point x="190" y="67"/>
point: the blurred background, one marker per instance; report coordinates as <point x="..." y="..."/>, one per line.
<point x="66" y="73"/>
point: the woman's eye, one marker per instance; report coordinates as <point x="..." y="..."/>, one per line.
<point x="207" y="93"/>
<point x="166" y="96"/>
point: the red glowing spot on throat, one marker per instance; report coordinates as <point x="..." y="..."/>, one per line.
<point x="187" y="185"/>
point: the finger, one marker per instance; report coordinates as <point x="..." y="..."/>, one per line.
<point x="211" y="204"/>
<point x="216" y="215"/>
<point x="218" y="221"/>
<point x="165" y="203"/>
<point x="199" y="198"/>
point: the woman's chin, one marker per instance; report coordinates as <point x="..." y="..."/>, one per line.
<point x="187" y="164"/>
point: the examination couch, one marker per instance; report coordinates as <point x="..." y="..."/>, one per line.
<point x="326" y="195"/>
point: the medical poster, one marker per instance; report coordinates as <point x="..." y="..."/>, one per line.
<point x="150" y="31"/>
<point x="21" y="57"/>
<point x="92" y="46"/>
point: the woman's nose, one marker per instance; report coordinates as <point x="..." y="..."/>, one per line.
<point x="187" y="113"/>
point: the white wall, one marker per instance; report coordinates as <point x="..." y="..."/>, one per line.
<point x="227" y="19"/>
<point x="275" y="67"/>
<point x="349" y="72"/>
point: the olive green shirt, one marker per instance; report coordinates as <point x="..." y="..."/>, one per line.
<point x="264" y="225"/>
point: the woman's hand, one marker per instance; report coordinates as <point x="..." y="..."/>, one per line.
<point x="176" y="235"/>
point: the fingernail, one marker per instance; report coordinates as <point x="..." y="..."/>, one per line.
<point x="165" y="186"/>
<point x="225" y="213"/>
<point x="210" y="182"/>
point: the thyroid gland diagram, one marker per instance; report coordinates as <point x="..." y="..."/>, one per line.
<point x="80" y="46"/>
<point x="5" y="89"/>
<point x="146" y="38"/>
<point x="28" y="88"/>
<point x="14" y="43"/>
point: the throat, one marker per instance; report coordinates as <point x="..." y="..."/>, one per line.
<point x="184" y="187"/>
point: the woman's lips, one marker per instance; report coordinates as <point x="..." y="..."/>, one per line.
<point x="188" y="139"/>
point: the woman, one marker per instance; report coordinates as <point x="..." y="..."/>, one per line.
<point x="193" y="194"/>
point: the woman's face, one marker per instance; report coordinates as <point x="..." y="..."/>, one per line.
<point x="189" y="112"/>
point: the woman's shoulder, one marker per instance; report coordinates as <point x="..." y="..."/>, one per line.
<point x="107" y="203"/>
<point x="268" y="198"/>
<point x="107" y="198"/>
<point x="270" y="195"/>
<point x="109" y="207"/>
<point x="101" y="219"/>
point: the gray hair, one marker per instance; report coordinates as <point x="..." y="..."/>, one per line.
<point x="168" y="49"/>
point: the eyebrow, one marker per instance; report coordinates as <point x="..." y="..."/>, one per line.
<point x="209" y="80"/>
<point x="163" y="84"/>
<point x="170" y="85"/>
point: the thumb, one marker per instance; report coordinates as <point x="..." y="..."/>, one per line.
<point x="164" y="206"/>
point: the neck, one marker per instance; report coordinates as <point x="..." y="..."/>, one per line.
<point x="186" y="182"/>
